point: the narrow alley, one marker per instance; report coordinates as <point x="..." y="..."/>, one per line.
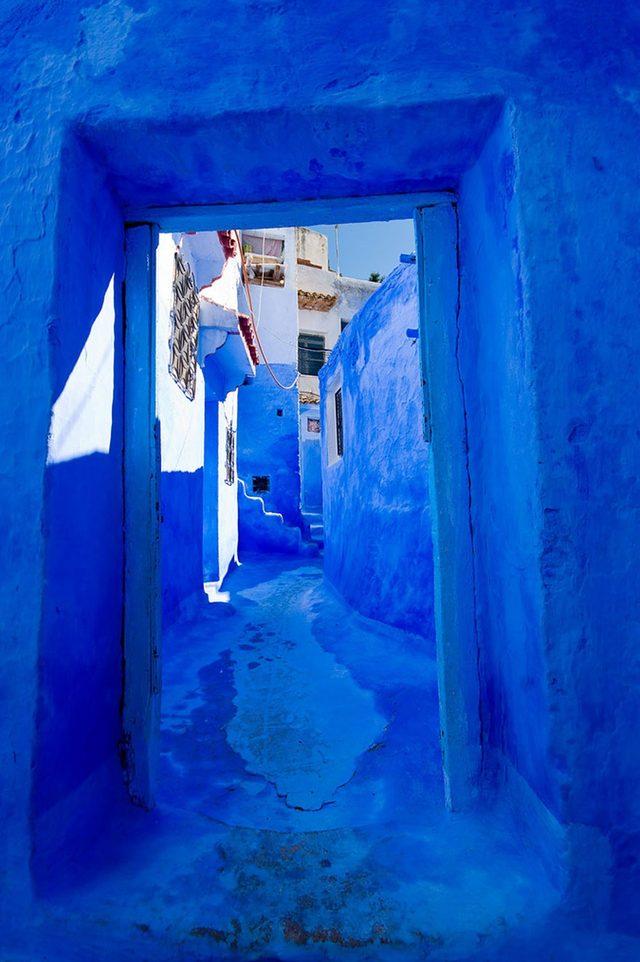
<point x="320" y="468"/>
<point x="300" y="810"/>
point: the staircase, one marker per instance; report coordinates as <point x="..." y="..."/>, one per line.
<point x="267" y="531"/>
<point x="313" y="527"/>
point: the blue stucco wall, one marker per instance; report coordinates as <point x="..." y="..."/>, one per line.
<point x="503" y="456"/>
<point x="432" y="80"/>
<point x="180" y="539"/>
<point x="580" y="270"/>
<point x="378" y="542"/>
<point x="310" y="462"/>
<point x="268" y="443"/>
<point x="76" y="775"/>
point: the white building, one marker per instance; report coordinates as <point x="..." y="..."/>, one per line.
<point x="295" y="260"/>
<point x="196" y="403"/>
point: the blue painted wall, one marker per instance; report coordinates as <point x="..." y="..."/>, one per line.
<point x="268" y="442"/>
<point x="495" y="365"/>
<point x="310" y="461"/>
<point x="76" y="775"/>
<point x="180" y="538"/>
<point x="579" y="269"/>
<point x="433" y="86"/>
<point x="377" y="524"/>
<point x="265" y="532"/>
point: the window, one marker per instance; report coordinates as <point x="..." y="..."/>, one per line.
<point x="264" y="257"/>
<point x="343" y="324"/>
<point x="261" y="482"/>
<point x="230" y="456"/>
<point x="313" y="425"/>
<point x="311" y="353"/>
<point x="333" y="419"/>
<point x="339" y="435"/>
<point x="184" y="336"/>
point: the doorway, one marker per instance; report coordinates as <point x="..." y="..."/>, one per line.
<point x="224" y="849"/>
<point x="436" y="246"/>
<point x="298" y="740"/>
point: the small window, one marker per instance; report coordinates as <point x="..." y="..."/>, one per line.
<point x="343" y="324"/>
<point x="339" y="434"/>
<point x="230" y="456"/>
<point x="279" y="412"/>
<point x="261" y="482"/>
<point x="311" y="353"/>
<point x="313" y="425"/>
<point x="264" y="257"/>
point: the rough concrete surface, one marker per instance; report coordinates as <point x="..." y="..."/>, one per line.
<point x="300" y="801"/>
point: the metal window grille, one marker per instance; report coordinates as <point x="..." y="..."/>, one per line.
<point x="230" y="456"/>
<point x="339" y="430"/>
<point x="311" y="353"/>
<point x="184" y="336"/>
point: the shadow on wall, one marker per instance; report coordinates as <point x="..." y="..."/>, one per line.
<point x="76" y="775"/>
<point x="181" y="494"/>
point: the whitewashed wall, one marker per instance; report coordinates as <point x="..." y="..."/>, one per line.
<point x="181" y="420"/>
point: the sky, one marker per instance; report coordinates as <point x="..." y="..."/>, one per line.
<point x="364" y="248"/>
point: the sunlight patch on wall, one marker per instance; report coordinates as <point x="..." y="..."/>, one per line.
<point x="82" y="415"/>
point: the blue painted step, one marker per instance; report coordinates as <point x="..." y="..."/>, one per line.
<point x="264" y="530"/>
<point x="313" y="527"/>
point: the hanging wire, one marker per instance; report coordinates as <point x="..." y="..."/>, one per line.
<point x="264" y="243"/>
<point x="285" y="387"/>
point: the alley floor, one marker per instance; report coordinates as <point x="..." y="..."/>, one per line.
<point x="300" y="807"/>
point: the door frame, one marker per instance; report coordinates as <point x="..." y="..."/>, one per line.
<point x="445" y="429"/>
<point x="436" y="226"/>
<point x="142" y="633"/>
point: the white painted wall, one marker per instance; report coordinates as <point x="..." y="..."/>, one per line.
<point x="276" y="308"/>
<point x="312" y="246"/>
<point x="181" y="420"/>
<point x="82" y="414"/>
